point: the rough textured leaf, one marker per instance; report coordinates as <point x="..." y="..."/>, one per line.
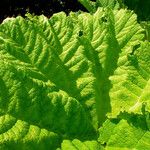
<point x="131" y="82"/>
<point x="125" y="134"/>
<point x="54" y="74"/>
<point x="16" y="134"/>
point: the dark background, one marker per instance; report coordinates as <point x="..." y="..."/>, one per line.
<point x="140" y="7"/>
<point x="9" y="8"/>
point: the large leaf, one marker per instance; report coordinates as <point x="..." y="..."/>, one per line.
<point x="126" y="134"/>
<point x="54" y="73"/>
<point x="131" y="83"/>
<point x="16" y="134"/>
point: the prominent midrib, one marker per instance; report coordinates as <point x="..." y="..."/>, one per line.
<point x="73" y="92"/>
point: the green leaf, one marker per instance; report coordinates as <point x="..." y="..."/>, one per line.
<point x="124" y="135"/>
<point x="77" y="144"/>
<point x="113" y="4"/>
<point x="16" y="134"/>
<point x="131" y="83"/>
<point x="54" y="73"/>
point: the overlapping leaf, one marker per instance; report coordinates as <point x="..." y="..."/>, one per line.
<point x="54" y="73"/>
<point x="125" y="134"/>
<point x="131" y="83"/>
<point x="16" y="134"/>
